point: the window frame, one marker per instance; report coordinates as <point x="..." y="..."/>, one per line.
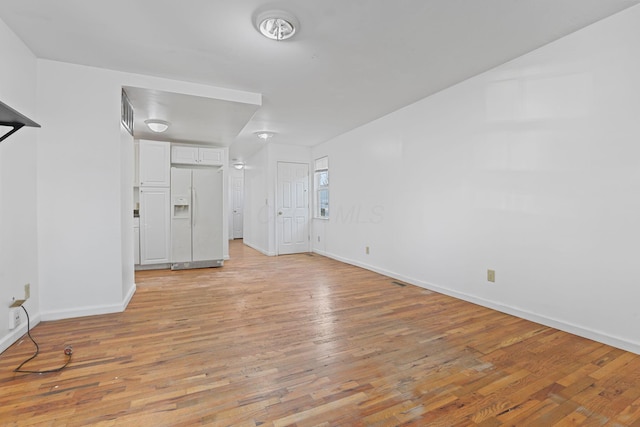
<point x="321" y="167"/>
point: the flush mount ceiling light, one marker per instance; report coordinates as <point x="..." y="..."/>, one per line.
<point x="276" y="24"/>
<point x="265" y="135"/>
<point x="238" y="165"/>
<point x="157" y="125"/>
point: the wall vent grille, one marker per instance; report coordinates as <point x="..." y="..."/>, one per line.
<point x="127" y="113"/>
<point x="395" y="282"/>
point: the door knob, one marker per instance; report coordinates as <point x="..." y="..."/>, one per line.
<point x="280" y="213"/>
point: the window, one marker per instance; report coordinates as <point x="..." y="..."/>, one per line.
<point x="321" y="181"/>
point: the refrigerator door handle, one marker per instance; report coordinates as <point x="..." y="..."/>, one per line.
<point x="193" y="206"/>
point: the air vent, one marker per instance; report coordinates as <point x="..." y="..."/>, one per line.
<point x="127" y="113"/>
<point x="399" y="283"/>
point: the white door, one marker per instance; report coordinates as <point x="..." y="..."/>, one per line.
<point x="237" y="208"/>
<point x="292" y="220"/>
<point x="207" y="214"/>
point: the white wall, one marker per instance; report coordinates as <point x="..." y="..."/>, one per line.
<point x="79" y="182"/>
<point x="531" y="169"/>
<point x="18" y="191"/>
<point x="260" y="193"/>
<point x="127" y="158"/>
<point x="83" y="169"/>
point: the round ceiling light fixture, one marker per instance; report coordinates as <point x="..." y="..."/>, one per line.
<point x="265" y="135"/>
<point x="157" y="125"/>
<point x="276" y="24"/>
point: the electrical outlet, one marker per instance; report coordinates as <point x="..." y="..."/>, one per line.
<point x="491" y="275"/>
<point x="14" y="318"/>
<point x="366" y="250"/>
<point x="27" y="291"/>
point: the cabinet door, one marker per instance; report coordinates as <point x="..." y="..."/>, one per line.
<point x="155" y="163"/>
<point x="210" y="156"/>
<point x="154" y="225"/>
<point x="184" y="155"/>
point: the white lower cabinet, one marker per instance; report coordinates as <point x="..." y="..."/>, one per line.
<point x="155" y="231"/>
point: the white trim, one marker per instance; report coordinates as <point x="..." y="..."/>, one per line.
<point x="34" y="320"/>
<point x="14" y="335"/>
<point x="571" y="328"/>
<point x="145" y="267"/>
<point x="309" y="207"/>
<point x="262" y="251"/>
<point x="91" y="310"/>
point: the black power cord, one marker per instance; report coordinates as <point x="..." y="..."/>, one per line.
<point x="68" y="351"/>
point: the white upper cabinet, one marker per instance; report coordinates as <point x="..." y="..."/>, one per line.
<point x="190" y="155"/>
<point x="155" y="163"/>
<point x="184" y="155"/>
<point x="211" y="156"/>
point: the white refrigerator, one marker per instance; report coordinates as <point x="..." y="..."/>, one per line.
<point x="196" y="218"/>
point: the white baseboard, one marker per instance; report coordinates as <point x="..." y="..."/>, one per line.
<point x="90" y="310"/>
<point x="618" y="342"/>
<point x="145" y="267"/>
<point x="262" y="251"/>
<point x="128" y="296"/>
<point x="18" y="332"/>
<point x="15" y="334"/>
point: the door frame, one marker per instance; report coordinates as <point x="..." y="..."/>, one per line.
<point x="232" y="194"/>
<point x="277" y="205"/>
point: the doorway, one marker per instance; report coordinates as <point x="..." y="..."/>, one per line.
<point x="237" y="204"/>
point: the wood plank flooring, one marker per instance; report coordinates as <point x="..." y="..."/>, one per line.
<point x="303" y="340"/>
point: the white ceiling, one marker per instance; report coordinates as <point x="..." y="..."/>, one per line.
<point x="195" y="119"/>
<point x="351" y="61"/>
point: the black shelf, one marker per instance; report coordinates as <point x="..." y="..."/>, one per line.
<point x="11" y="118"/>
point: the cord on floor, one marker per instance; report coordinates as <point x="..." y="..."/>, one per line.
<point x="68" y="351"/>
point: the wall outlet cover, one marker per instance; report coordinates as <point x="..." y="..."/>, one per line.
<point x="14" y="318"/>
<point x="491" y="275"/>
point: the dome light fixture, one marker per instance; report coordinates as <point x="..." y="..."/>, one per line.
<point x="157" y="125"/>
<point x="276" y="24"/>
<point x="265" y="135"/>
<point x="238" y="165"/>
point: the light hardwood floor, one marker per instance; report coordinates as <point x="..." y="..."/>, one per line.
<point x="304" y="340"/>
